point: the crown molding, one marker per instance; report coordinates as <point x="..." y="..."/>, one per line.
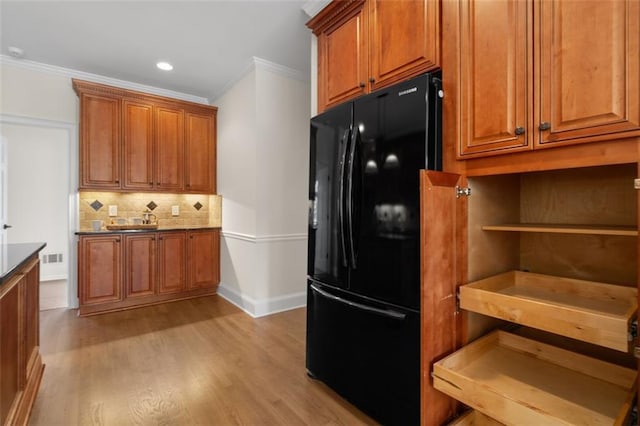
<point x="67" y="72"/>
<point x="313" y="7"/>
<point x="263" y="64"/>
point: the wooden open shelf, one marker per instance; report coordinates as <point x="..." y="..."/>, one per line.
<point x="521" y="381"/>
<point x="625" y="231"/>
<point x="589" y="311"/>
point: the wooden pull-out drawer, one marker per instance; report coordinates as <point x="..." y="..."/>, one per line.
<point x="589" y="311"/>
<point x="521" y="381"/>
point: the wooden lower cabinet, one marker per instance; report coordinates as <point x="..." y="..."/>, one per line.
<point x="120" y="271"/>
<point x="21" y="365"/>
<point x="203" y="249"/>
<point x="172" y="262"/>
<point x="538" y="332"/>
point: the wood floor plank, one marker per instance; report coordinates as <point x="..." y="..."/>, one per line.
<point x="200" y="361"/>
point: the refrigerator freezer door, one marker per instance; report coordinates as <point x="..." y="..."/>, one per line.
<point x="391" y="128"/>
<point x="367" y="352"/>
<point x="330" y="134"/>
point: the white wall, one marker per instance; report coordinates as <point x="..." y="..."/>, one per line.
<point x="265" y="209"/>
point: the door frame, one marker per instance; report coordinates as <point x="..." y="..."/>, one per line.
<point x="72" y="188"/>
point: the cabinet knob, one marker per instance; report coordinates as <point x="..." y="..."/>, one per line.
<point x="545" y="125"/>
<point x="361" y="85"/>
<point x="372" y="80"/>
<point x="150" y="183"/>
<point x="519" y="130"/>
<point x="117" y="180"/>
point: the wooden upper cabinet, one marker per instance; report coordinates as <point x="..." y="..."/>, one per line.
<point x="169" y="148"/>
<point x="541" y="73"/>
<point x="343" y="57"/>
<point x="367" y="45"/>
<point x="200" y="149"/>
<point x="588" y="68"/>
<point x="99" y="141"/>
<point x="495" y="76"/>
<point x="132" y="141"/>
<point x="404" y="39"/>
<point x="138" y="143"/>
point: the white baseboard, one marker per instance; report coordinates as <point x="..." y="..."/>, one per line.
<point x="260" y="308"/>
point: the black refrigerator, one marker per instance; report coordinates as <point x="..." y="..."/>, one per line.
<point x="363" y="294"/>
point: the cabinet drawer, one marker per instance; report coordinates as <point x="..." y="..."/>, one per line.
<point x="520" y="381"/>
<point x="585" y="310"/>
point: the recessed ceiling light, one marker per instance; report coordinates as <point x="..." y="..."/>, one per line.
<point x="16" y="52"/>
<point x="165" y="66"/>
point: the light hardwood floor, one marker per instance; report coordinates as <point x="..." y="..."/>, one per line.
<point x="200" y="361"/>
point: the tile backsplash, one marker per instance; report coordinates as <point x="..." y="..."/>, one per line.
<point x="195" y="209"/>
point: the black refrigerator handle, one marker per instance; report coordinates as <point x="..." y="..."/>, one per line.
<point x="351" y="244"/>
<point x="341" y="198"/>
<point x="384" y="312"/>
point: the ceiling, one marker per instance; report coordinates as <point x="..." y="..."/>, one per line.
<point x="209" y="42"/>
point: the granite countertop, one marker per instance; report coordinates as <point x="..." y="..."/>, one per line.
<point x="165" y="228"/>
<point x="13" y="256"/>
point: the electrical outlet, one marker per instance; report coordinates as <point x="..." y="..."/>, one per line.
<point x="113" y="210"/>
<point x="175" y="210"/>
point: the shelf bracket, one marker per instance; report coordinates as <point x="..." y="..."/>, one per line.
<point x="460" y="191"/>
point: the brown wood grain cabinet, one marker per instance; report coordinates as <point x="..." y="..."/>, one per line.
<point x="132" y="141"/>
<point x="169" y="148"/>
<point x="368" y="45"/>
<point x="100" y="118"/>
<point x="21" y="365"/>
<point x="140" y="265"/>
<point x="138" y="145"/>
<point x="172" y="262"/>
<point x="534" y="74"/>
<point x="100" y="269"/>
<point x="200" y="152"/>
<point x="203" y="250"/>
<point x="532" y="248"/>
<point x="146" y="268"/>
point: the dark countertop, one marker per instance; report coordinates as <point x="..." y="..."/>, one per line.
<point x="138" y="231"/>
<point x="13" y="256"/>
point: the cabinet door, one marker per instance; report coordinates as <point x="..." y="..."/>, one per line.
<point x="169" y="148"/>
<point x="171" y="262"/>
<point x="441" y="219"/>
<point x="588" y="71"/>
<point x="140" y="265"/>
<point x="204" y="259"/>
<point x="99" y="142"/>
<point x="343" y="58"/>
<point x="137" y="144"/>
<point x="404" y="39"/>
<point x="495" y="77"/>
<point x="100" y="269"/>
<point x="200" y="152"/>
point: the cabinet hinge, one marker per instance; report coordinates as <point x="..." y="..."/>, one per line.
<point x="457" y="302"/>
<point x="636" y="183"/>
<point x="634" y="416"/>
<point x="633" y="330"/>
<point x="460" y="191"/>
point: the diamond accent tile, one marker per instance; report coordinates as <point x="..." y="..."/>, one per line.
<point x="152" y="205"/>
<point x="198" y="206"/>
<point x="96" y="205"/>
